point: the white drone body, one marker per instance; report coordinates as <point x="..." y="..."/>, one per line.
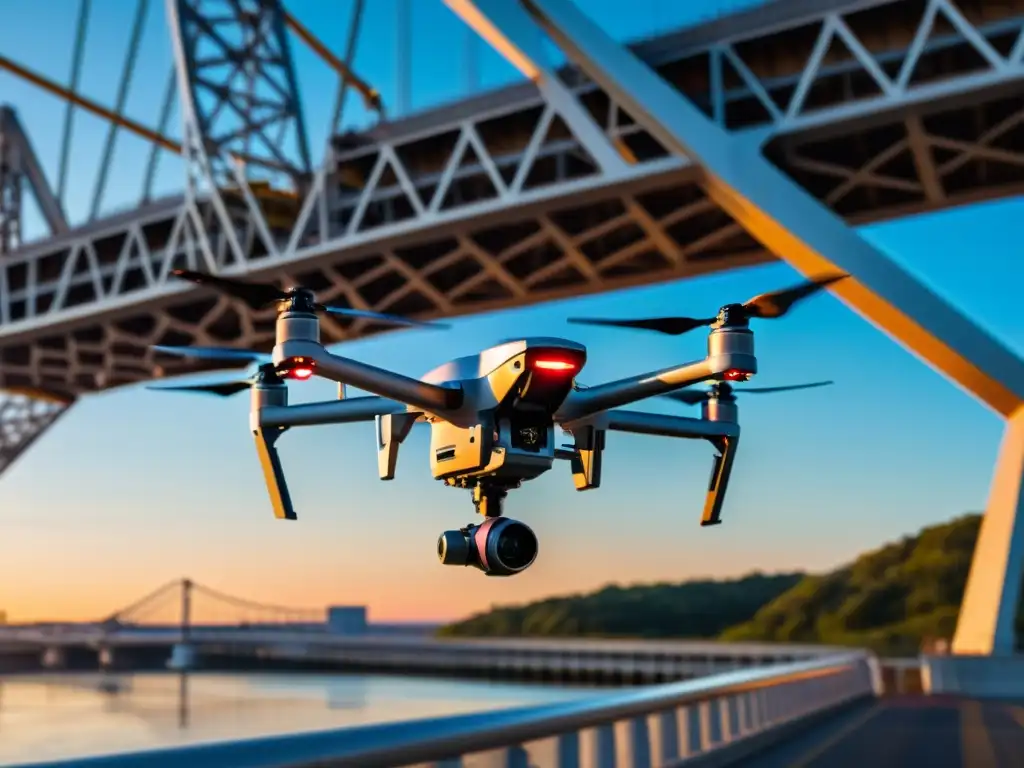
<point x="493" y="416"/>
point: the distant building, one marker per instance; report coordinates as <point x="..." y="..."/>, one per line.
<point x="346" y="619"/>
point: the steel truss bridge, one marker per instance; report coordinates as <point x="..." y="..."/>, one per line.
<point x="759" y="704"/>
<point x="766" y="134"/>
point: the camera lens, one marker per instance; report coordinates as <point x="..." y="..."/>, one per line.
<point x="453" y="548"/>
<point x="516" y="547"/>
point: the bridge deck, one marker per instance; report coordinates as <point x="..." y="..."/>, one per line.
<point x="910" y="731"/>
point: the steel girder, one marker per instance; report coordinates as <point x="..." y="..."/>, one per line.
<point x="862" y="154"/>
<point x="513" y="197"/>
<point x="794" y="225"/>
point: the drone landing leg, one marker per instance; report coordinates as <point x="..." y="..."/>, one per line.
<point x="721" y="470"/>
<point x="273" y="472"/>
<point x="392" y="429"/>
<point x="586" y="462"/>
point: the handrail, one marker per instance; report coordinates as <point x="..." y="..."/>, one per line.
<point x="436" y="739"/>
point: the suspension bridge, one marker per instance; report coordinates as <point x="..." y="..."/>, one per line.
<point x="768" y="131"/>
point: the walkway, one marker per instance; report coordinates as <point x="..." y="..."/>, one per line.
<point x="906" y="732"/>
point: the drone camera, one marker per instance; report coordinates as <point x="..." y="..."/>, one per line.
<point x="499" y="546"/>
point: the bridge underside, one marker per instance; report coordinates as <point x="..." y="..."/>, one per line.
<point x="502" y="201"/>
<point x="654" y="228"/>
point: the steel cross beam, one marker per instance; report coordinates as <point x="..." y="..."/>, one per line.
<point x="793" y="225"/>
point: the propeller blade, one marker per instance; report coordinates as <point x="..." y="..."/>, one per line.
<point x="226" y="389"/>
<point x="689" y="396"/>
<point x="381" y="317"/>
<point x="672" y="326"/>
<point x="221" y="354"/>
<point x="769" y="306"/>
<point x="763" y="390"/>
<point x="697" y="396"/>
<point x="255" y="295"/>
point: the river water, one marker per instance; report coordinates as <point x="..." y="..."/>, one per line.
<point x="61" y="716"/>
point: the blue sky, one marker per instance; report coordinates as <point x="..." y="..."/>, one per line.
<point x="134" y="488"/>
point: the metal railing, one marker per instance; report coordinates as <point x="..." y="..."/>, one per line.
<point x="659" y="725"/>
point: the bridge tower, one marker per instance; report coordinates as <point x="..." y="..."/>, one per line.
<point x="20" y="170"/>
<point x="242" y="125"/>
<point x="790" y="223"/>
<point x="183" y="653"/>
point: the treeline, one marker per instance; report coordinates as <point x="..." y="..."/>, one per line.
<point x="689" y="609"/>
<point x="892" y="599"/>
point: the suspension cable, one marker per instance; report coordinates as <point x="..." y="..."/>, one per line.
<point x="127" y="73"/>
<point x="350" y="55"/>
<point x="69" y="112"/>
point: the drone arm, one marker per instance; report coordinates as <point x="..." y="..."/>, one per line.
<point x="588" y="402"/>
<point x="349" y="411"/>
<point x="420" y="395"/>
<point x="724" y="435"/>
<point x="664" y="425"/>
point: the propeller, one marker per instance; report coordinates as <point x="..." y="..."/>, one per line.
<point x="261" y="295"/>
<point x="224" y="389"/>
<point x="265" y="371"/>
<point x="218" y="354"/>
<point x="767" y="306"/>
<point x="723" y="390"/>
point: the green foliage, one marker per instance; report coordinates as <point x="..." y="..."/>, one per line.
<point x="692" y="609"/>
<point x="891" y="600"/>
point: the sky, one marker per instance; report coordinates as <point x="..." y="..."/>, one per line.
<point x="134" y="488"/>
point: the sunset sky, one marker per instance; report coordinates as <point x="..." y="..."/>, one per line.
<point x="134" y="488"/>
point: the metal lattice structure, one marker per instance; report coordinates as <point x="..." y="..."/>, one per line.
<point x="438" y="214"/>
<point x="570" y="183"/>
<point x="23" y="418"/>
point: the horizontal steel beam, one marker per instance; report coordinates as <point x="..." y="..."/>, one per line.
<point x="896" y="94"/>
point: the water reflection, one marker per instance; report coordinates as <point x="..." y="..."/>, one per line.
<point x="58" y="716"/>
<point x="116" y="692"/>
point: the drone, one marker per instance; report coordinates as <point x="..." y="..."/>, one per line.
<point x="492" y="416"/>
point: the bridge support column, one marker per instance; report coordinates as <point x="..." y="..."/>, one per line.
<point x="792" y="224"/>
<point x="106" y="657"/>
<point x="54" y="658"/>
<point x="184" y="657"/>
<point x="989" y="610"/>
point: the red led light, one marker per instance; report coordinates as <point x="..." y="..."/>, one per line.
<point x="298" y="368"/>
<point x="735" y="374"/>
<point x="554" y="365"/>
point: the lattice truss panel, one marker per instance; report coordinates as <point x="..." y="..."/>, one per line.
<point x="446" y="214"/>
<point x="810" y="71"/>
<point x="466" y="181"/>
<point x="240" y="87"/>
<point x="22" y="419"/>
<point x="903" y="70"/>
